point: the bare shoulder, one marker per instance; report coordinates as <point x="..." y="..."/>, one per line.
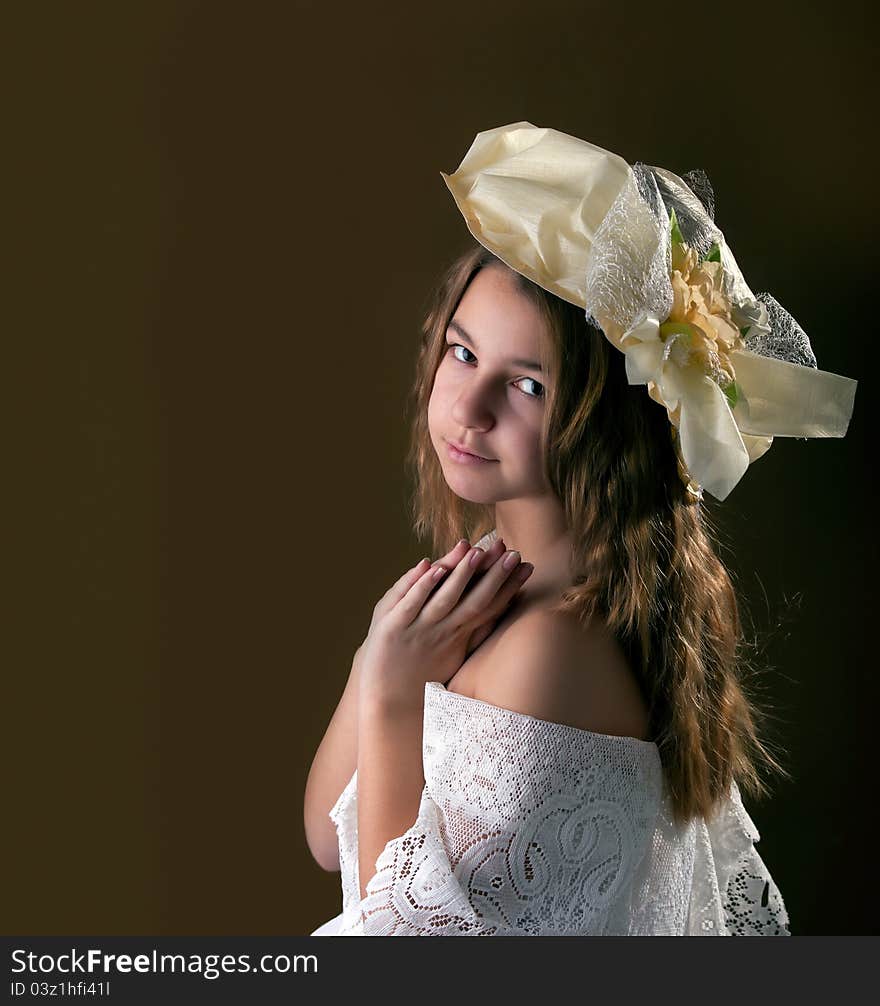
<point x="551" y="666"/>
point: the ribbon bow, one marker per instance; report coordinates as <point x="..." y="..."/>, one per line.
<point x="726" y="402"/>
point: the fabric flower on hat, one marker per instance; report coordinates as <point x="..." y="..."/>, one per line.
<point x="686" y="356"/>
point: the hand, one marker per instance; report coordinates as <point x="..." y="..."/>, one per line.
<point x="392" y="596"/>
<point x="421" y="631"/>
<point x="450" y="560"/>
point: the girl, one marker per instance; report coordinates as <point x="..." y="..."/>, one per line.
<point x="546" y="734"/>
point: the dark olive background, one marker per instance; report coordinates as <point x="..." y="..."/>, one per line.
<point x="222" y="224"/>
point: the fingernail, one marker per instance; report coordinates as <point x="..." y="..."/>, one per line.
<point x="525" y="571"/>
<point x="475" y="558"/>
<point x="510" y="560"/>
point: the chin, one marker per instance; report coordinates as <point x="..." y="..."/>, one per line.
<point x="468" y="493"/>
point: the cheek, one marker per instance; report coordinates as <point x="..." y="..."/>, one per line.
<point x="535" y="451"/>
<point x="442" y="376"/>
<point x="435" y="411"/>
<point x="530" y="448"/>
<point x="441" y="394"/>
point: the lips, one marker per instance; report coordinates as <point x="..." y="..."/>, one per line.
<point x="464" y="450"/>
<point x="465" y="453"/>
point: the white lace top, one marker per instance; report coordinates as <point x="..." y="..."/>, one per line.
<point x="532" y="828"/>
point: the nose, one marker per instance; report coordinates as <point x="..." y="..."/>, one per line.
<point x="472" y="407"/>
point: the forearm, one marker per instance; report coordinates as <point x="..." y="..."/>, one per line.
<point x="389" y="772"/>
<point x="332" y="767"/>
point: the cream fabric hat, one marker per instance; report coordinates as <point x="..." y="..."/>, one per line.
<point x="637" y="248"/>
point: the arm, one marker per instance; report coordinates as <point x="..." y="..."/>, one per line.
<point x="411" y="643"/>
<point x="336" y="758"/>
<point x="332" y="768"/>
<point x="390" y="772"/>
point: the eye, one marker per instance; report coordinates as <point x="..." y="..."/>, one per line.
<point x="539" y="395"/>
<point x="456" y="345"/>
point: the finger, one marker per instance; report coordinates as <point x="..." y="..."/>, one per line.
<point x="414" y="572"/>
<point x="489" y="556"/>
<point x="507" y="598"/>
<point x="416" y="602"/>
<point x="410" y="605"/>
<point x="512" y="592"/>
<point x="497" y="586"/>
<point x="479" y="636"/>
<point x="496" y="549"/>
<point x="449" y="592"/>
<point x="398" y="590"/>
<point x="453" y="556"/>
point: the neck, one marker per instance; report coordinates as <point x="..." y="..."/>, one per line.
<point x="539" y="533"/>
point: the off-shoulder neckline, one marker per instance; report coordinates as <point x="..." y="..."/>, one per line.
<point x="437" y="688"/>
<point x="489" y="537"/>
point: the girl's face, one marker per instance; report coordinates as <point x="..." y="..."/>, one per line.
<point x="487" y="397"/>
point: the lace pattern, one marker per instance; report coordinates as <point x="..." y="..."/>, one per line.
<point x="511" y="846"/>
<point x="532" y="828"/>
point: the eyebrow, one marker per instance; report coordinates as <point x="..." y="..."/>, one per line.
<point x="463" y="333"/>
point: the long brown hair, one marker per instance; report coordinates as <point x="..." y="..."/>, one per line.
<point x="644" y="548"/>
